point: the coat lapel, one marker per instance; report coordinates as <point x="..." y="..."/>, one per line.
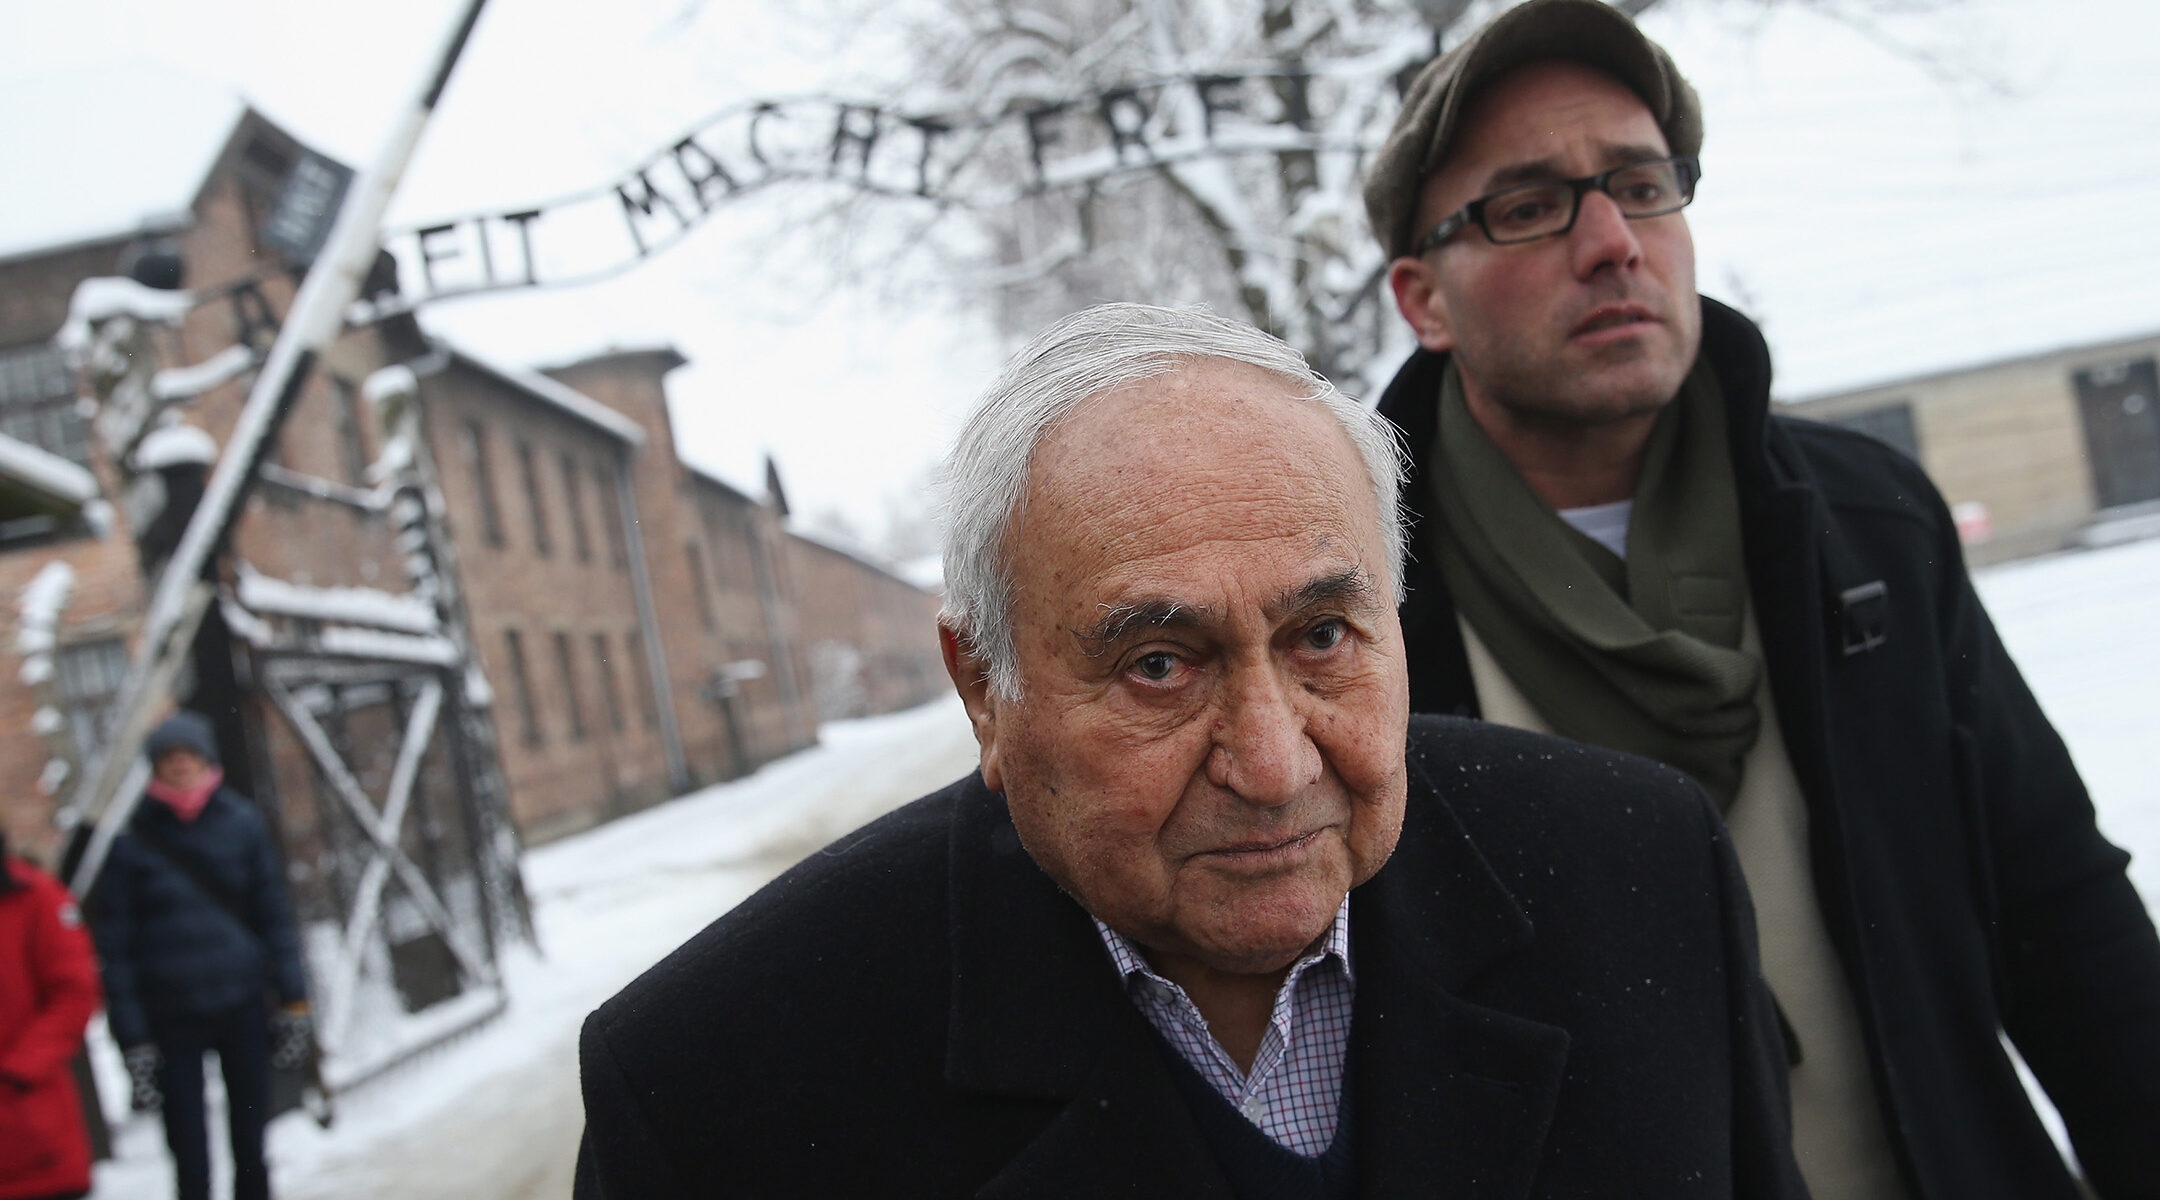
<point x="1453" y="1098"/>
<point x="1038" y="1013"/>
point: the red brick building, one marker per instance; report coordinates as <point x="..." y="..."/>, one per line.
<point x="644" y="627"/>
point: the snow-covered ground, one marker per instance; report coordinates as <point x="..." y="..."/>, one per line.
<point x="495" y="1116"/>
<point x="2085" y="629"/>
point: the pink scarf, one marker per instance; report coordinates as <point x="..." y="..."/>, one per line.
<point x="188" y="805"/>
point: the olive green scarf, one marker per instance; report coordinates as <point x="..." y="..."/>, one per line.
<point x="1642" y="655"/>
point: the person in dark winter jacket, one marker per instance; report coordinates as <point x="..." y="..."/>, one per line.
<point x="1617" y="542"/>
<point x="48" y="991"/>
<point x="195" y="928"/>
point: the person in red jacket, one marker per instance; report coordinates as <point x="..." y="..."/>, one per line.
<point x="48" y="991"/>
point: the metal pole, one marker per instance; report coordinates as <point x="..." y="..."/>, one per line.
<point x="656" y="660"/>
<point x="316" y="318"/>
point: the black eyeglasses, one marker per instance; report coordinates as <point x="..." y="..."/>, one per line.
<point x="1531" y="211"/>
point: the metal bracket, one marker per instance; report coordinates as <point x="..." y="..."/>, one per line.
<point x="1864" y="617"/>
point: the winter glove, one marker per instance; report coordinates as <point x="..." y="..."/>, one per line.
<point x="292" y="1037"/>
<point x="142" y="1069"/>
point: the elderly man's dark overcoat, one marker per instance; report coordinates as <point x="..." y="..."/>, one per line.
<point x="1556" y="996"/>
<point x="1953" y="847"/>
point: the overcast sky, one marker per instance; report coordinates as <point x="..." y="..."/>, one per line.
<point x="1881" y="216"/>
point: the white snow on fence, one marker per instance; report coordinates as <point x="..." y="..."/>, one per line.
<point x="186" y="383"/>
<point x="37" y="611"/>
<point x="47" y="472"/>
<point x="40" y="604"/>
<point x="55" y="773"/>
<point x="174" y="445"/>
<point x="431" y="650"/>
<point x="100" y="299"/>
<point x="393" y="382"/>
<point x="343" y="605"/>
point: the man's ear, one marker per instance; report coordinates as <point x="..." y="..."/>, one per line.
<point x="971" y="678"/>
<point x="1418" y="298"/>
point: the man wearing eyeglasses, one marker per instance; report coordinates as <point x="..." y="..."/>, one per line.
<point x="1618" y="543"/>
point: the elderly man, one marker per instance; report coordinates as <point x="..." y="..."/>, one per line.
<point x="1618" y="543"/>
<point x="1158" y="946"/>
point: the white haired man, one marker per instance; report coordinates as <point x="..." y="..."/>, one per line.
<point x="1619" y="543"/>
<point x="1166" y="941"/>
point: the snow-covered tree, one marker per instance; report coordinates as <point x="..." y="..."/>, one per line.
<point x="1274" y="232"/>
<point x="1277" y="237"/>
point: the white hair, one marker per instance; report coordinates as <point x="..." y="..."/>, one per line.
<point x="1083" y="356"/>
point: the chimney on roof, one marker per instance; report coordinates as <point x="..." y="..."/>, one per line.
<point x="775" y="495"/>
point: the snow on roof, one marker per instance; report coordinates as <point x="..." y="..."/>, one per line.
<point x="105" y="153"/>
<point x="838" y="543"/>
<point x="35" y="467"/>
<point x="618" y="350"/>
<point x="2063" y="350"/>
<point x="104" y="297"/>
<point x="560" y="395"/>
<point x="825" y="539"/>
<point x="711" y="478"/>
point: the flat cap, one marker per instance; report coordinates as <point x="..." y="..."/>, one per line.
<point x="1587" y="31"/>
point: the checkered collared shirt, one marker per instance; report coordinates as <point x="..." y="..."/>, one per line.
<point x="1294" y="1092"/>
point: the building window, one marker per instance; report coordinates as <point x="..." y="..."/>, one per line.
<point x="34" y="373"/>
<point x="574" y="496"/>
<point x="37" y="402"/>
<point x="263" y="168"/>
<point x="700" y="587"/>
<point x="351" y="445"/>
<point x="568" y="667"/>
<point x="88" y="676"/>
<point x="57" y="428"/>
<point x="605" y="478"/>
<point x="522" y="679"/>
<point x="483" y="477"/>
<point x="531" y="473"/>
<point x="2119" y="406"/>
<point x="608" y="693"/>
<point x="754" y="554"/>
<point x="265" y="157"/>
<point x="1890" y="424"/>
<point x="648" y="706"/>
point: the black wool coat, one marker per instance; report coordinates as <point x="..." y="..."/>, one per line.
<point x="1952" y="843"/>
<point x="1557" y="995"/>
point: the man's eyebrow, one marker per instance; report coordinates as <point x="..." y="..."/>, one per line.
<point x="1121" y="621"/>
<point x="1544" y="170"/>
<point x="1351" y="586"/>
